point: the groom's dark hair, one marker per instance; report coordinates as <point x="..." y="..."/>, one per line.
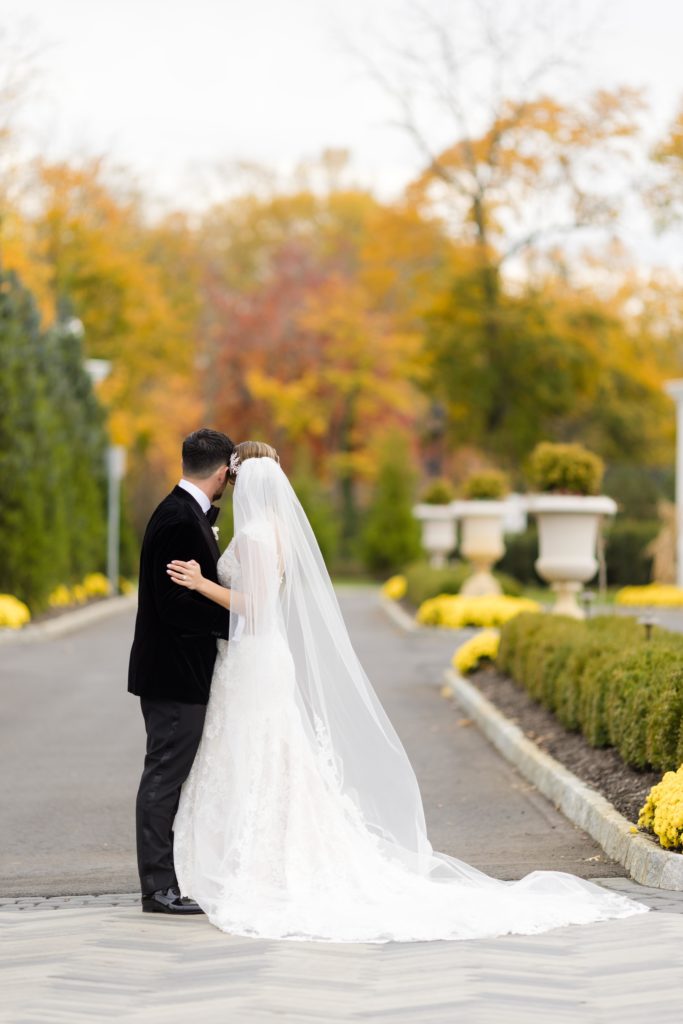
<point x="204" y="451"/>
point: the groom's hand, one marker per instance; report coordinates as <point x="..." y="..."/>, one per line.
<point x="185" y="574"/>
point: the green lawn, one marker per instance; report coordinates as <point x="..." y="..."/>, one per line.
<point x="355" y="581"/>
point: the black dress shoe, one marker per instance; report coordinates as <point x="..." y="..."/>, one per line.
<point x="169" y="901"/>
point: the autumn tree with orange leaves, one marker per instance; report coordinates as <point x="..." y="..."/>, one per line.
<point x="319" y="346"/>
<point x="465" y="318"/>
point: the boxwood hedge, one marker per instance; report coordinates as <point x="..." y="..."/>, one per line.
<point x="423" y="581"/>
<point x="603" y="678"/>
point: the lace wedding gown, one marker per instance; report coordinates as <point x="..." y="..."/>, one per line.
<point x="272" y="841"/>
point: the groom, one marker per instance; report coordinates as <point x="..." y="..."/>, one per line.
<point x="172" y="658"/>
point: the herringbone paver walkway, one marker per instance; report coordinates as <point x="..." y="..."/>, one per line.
<point x="88" y="964"/>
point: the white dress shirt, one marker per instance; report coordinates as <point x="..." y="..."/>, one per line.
<point x="197" y="493"/>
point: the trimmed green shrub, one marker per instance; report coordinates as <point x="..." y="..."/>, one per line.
<point x="486" y="485"/>
<point x="521" y="551"/>
<point x="508" y="584"/>
<point x="391" y="536"/>
<point x="625" y="543"/>
<point x="423" y="581"/>
<point x="664" y="722"/>
<point x="438" y="492"/>
<point x="320" y="511"/>
<point x="565" y="469"/>
<point x="637" y="490"/>
<point x="603" y="678"/>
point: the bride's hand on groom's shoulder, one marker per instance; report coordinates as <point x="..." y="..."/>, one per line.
<point x="186" y="574"/>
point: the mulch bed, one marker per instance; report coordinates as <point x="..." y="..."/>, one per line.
<point x="601" y="768"/>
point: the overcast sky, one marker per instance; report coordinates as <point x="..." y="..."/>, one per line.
<point x="173" y="86"/>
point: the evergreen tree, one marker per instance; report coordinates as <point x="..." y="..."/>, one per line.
<point x="391" y="537"/>
<point x="82" y="444"/>
<point x="24" y="447"/>
<point x="52" y="444"/>
<point x="318" y="506"/>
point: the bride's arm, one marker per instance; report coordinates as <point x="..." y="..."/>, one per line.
<point x="189" y="575"/>
<point x="260" y="577"/>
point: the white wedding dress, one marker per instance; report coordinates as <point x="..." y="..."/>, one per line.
<point x="301" y="818"/>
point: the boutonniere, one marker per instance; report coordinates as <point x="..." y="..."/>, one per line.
<point x="214" y="530"/>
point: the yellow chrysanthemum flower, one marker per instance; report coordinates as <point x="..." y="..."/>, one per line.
<point x="662" y="812"/>
<point x="13" y="613"/>
<point x="395" y="588"/>
<point x="482" y="646"/>
<point x="96" y="584"/>
<point x="60" y="597"/>
<point x="455" y="611"/>
<point x="657" y="594"/>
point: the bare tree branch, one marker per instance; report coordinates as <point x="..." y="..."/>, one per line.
<point x="484" y="68"/>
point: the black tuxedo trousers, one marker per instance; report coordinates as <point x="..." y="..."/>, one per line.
<point x="171" y="664"/>
<point x="174" y="730"/>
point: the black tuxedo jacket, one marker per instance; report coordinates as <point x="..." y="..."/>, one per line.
<point x="174" y="647"/>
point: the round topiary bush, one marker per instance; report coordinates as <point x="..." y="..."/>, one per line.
<point x="488" y="485"/>
<point x="438" y="492"/>
<point x="565" y="469"/>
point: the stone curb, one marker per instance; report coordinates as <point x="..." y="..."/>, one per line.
<point x="645" y="862"/>
<point x="69" y="622"/>
<point x="399" y="615"/>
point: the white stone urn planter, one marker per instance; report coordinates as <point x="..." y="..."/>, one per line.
<point x="481" y="542"/>
<point x="438" y="531"/>
<point x="568" y="527"/>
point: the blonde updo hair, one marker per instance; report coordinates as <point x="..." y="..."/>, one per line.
<point x="253" y="450"/>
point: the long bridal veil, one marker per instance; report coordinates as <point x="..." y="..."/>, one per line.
<point x="282" y="587"/>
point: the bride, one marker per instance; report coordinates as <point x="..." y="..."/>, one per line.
<point x="301" y="817"/>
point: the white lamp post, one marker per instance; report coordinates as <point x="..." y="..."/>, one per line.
<point x="116" y="467"/>
<point x="99" y="370"/>
<point x="675" y="389"/>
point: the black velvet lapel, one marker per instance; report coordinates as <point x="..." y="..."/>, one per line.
<point x="185" y="496"/>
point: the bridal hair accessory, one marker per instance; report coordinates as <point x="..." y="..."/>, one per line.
<point x="234" y="464"/>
